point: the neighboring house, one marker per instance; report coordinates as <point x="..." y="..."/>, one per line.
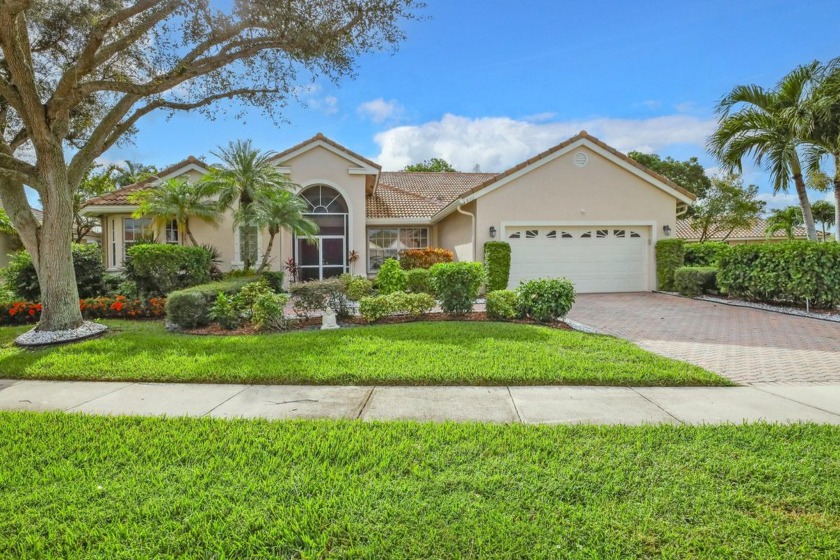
<point x="580" y="209"/>
<point x="756" y="233"/>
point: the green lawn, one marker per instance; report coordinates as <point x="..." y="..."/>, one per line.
<point x="434" y="353"/>
<point x="76" y="486"/>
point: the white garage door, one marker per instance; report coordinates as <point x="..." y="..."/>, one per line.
<point x="595" y="259"/>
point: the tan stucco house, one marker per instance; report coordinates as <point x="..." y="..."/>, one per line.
<point x="580" y="209"/>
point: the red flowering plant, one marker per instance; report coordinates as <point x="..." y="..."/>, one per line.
<point x="118" y="307"/>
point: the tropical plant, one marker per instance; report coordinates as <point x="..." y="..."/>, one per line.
<point x="132" y="172"/>
<point x="785" y="220"/>
<point x="825" y="215"/>
<point x="769" y="126"/>
<point x="177" y="200"/>
<point x="725" y="206"/>
<point x="277" y="210"/>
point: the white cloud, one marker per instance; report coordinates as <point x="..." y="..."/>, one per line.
<point x="379" y="110"/>
<point x="496" y="143"/>
<point x="539" y="117"/>
<point x="779" y="200"/>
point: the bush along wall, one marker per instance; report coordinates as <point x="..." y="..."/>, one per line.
<point x="497" y="261"/>
<point x="670" y="255"/>
<point x="789" y="272"/>
<point x="704" y="254"/>
<point x="158" y="269"/>
<point x="87" y="262"/>
<point x="693" y="281"/>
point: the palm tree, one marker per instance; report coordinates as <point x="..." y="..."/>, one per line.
<point x="824" y="132"/>
<point x="770" y="126"/>
<point x="824" y="214"/>
<point x="786" y="220"/>
<point x="277" y="210"/>
<point x="132" y="172"/>
<point x="245" y="176"/>
<point x="178" y="200"/>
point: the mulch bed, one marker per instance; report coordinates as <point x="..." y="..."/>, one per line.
<point x="314" y="323"/>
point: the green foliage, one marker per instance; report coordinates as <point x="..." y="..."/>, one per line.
<point x="158" y="269"/>
<point x="497" y="261"/>
<point x="824" y="214"/>
<point x="226" y="312"/>
<point x="457" y="285"/>
<point x="725" y="206"/>
<point x="87" y="262"/>
<point x="356" y="287"/>
<point x="785" y="220"/>
<point x="268" y="312"/>
<point x="424" y="258"/>
<point x="274" y="279"/>
<point x="693" y="281"/>
<point x="704" y="254"/>
<point x="6" y="225"/>
<point x="190" y="308"/>
<point x="391" y="277"/>
<point x="546" y="299"/>
<point x="502" y="305"/>
<point x="689" y="174"/>
<point x="177" y="200"/>
<point x="309" y="298"/>
<point x="419" y="281"/>
<point x="434" y="165"/>
<point x="396" y="303"/>
<point x="670" y="255"/>
<point x="788" y="272"/>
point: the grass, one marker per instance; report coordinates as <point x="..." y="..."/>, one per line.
<point x="77" y="486"/>
<point x="434" y="353"/>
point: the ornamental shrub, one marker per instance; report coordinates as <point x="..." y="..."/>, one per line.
<point x="419" y="281"/>
<point x="502" y="305"/>
<point x="692" y="281"/>
<point x="787" y="272"/>
<point x="268" y="312"/>
<point x="309" y="298"/>
<point x="704" y="254"/>
<point x="356" y="287"/>
<point x="159" y="269"/>
<point x="457" y="284"/>
<point x="226" y="311"/>
<point x="391" y="277"/>
<point x="190" y="307"/>
<point x="546" y="299"/>
<point x="670" y="255"/>
<point x="119" y="307"/>
<point x="424" y="258"/>
<point x="274" y="279"/>
<point x="497" y="261"/>
<point x="375" y="308"/>
<point x="87" y="263"/>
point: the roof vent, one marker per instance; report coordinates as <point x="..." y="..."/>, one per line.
<point x="581" y="159"/>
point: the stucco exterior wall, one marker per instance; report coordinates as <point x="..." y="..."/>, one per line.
<point x="561" y="193"/>
<point x="455" y="232"/>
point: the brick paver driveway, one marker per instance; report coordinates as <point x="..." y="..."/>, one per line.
<point x="745" y="345"/>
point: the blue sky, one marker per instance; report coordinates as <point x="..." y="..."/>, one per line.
<point x="491" y="83"/>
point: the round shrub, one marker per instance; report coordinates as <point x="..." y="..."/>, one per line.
<point x="497" y="261"/>
<point x="396" y="303"/>
<point x="419" y="281"/>
<point x="502" y="305"/>
<point x="457" y="284"/>
<point x="670" y="255"/>
<point x="546" y="299"/>
<point x="391" y="277"/>
<point x="187" y="309"/>
<point x="314" y="296"/>
<point x="87" y="263"/>
<point x="356" y="287"/>
<point x="695" y="280"/>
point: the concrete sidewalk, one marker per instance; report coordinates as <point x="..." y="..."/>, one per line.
<point x="531" y="405"/>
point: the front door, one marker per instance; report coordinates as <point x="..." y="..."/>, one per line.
<point x="324" y="257"/>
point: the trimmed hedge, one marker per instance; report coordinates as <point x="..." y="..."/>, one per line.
<point x="695" y="280"/>
<point x="502" y="305"/>
<point x="313" y="296"/>
<point x="190" y="308"/>
<point x="396" y="303"/>
<point x="424" y="258"/>
<point x="87" y="262"/>
<point x="670" y="255"/>
<point x="159" y="269"/>
<point x="497" y="261"/>
<point x="546" y="299"/>
<point x="704" y="254"/>
<point x="457" y="284"/>
<point x="419" y="281"/>
<point x="788" y="272"/>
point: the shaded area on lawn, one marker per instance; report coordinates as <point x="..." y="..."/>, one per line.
<point x="424" y="353"/>
<point x="76" y="486"/>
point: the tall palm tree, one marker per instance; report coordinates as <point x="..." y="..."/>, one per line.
<point x="245" y="175"/>
<point x="178" y="200"/>
<point x="824" y="132"/>
<point x="277" y="210"/>
<point x="825" y="215"/>
<point x="785" y="220"/>
<point x="769" y="125"/>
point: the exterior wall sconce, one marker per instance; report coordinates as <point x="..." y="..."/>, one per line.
<point x="666" y="229"/>
<point x="492" y="232"/>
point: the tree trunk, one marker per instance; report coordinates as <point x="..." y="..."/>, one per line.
<point x="264" y="263"/>
<point x="804" y="203"/>
<point x="837" y="197"/>
<point x="189" y="233"/>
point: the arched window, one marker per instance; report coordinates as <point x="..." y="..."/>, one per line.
<point x="327" y="257"/>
